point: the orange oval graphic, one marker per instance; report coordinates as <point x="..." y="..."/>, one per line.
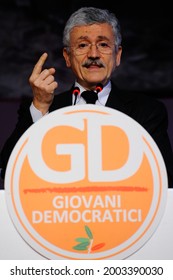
<point x="86" y="183"/>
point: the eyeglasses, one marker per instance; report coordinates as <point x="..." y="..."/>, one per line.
<point x="84" y="47"/>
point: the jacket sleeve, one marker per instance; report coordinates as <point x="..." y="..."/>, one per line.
<point x="23" y="123"/>
<point x="157" y="126"/>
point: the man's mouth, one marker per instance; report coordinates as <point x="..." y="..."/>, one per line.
<point x="94" y="65"/>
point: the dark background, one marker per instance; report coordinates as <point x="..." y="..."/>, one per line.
<point x="28" y="28"/>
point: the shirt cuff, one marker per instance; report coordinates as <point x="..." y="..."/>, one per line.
<point x="35" y="113"/>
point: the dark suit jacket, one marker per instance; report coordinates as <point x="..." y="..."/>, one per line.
<point x="148" y="112"/>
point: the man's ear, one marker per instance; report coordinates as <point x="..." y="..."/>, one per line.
<point x="118" y="56"/>
<point x="66" y="57"/>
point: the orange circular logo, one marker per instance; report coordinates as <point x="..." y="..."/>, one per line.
<point x="86" y="182"/>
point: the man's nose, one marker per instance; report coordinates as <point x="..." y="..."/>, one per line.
<point x="93" y="51"/>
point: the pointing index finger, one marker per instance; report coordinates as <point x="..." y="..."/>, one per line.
<point x="38" y="66"/>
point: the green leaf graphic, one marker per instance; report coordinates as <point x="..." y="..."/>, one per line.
<point x="82" y="239"/>
<point x="89" y="233"/>
<point x="81" y="246"/>
<point x="84" y="243"/>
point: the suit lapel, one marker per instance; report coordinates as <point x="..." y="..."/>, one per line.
<point x="116" y="100"/>
<point x="61" y="100"/>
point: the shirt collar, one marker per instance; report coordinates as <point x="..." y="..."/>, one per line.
<point x="102" y="95"/>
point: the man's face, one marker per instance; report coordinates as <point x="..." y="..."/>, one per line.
<point x="92" y="56"/>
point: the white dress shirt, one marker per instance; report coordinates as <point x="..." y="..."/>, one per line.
<point x="102" y="98"/>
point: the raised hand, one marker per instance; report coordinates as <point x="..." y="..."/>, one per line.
<point x="43" y="84"/>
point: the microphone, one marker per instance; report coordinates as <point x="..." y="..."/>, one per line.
<point x="99" y="87"/>
<point x="76" y="91"/>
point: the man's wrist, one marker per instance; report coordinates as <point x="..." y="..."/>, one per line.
<point x="35" y="113"/>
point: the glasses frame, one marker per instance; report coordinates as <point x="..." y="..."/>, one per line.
<point x="79" y="51"/>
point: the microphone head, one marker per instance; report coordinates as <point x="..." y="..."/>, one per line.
<point x="99" y="87"/>
<point x="76" y="91"/>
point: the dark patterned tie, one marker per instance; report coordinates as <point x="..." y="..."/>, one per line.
<point x="90" y="96"/>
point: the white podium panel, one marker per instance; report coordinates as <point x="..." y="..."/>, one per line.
<point x="76" y="188"/>
<point x="158" y="247"/>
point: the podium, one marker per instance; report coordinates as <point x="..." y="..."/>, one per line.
<point x="87" y="183"/>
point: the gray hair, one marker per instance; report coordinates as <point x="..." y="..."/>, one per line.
<point x="91" y="15"/>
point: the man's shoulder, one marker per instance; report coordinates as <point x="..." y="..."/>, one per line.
<point x="139" y="98"/>
<point x="137" y="102"/>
